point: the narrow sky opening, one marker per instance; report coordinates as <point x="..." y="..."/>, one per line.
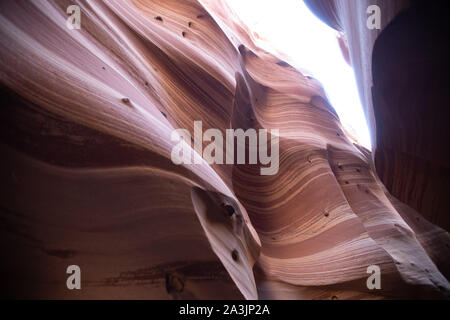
<point x="292" y="29"/>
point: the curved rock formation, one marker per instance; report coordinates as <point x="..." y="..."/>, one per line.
<point x="88" y="178"/>
<point x="401" y="71"/>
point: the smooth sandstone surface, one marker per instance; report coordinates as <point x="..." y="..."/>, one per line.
<point x="87" y="176"/>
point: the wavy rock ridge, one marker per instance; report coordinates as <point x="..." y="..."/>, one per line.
<point x="88" y="179"/>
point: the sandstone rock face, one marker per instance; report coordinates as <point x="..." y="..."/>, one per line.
<point x="401" y="71"/>
<point x="87" y="175"/>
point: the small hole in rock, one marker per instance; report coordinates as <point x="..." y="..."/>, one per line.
<point x="229" y="209"/>
<point x="183" y="34"/>
<point x="235" y="255"/>
<point x="326" y="214"/>
<point x="125" y="100"/>
<point x="164" y="114"/>
<point x="174" y="283"/>
<point x="158" y="18"/>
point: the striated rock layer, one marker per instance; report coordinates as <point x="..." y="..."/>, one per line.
<point x="87" y="176"/>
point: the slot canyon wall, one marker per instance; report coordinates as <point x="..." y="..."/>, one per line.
<point x="88" y="180"/>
